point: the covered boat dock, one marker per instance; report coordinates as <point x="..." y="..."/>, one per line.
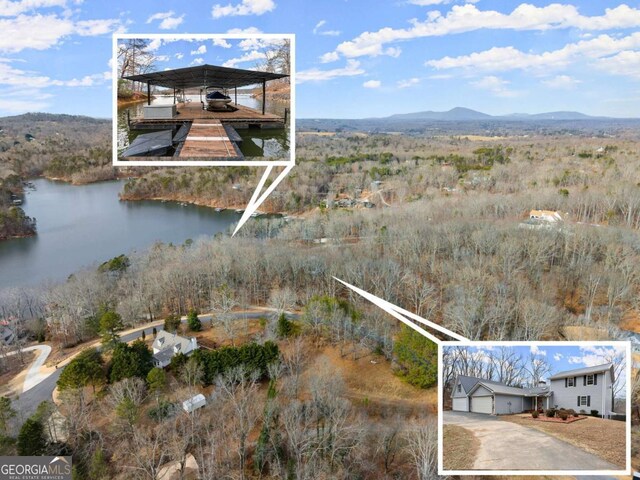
<point x="210" y="132"/>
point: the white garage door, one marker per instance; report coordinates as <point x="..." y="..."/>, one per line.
<point x="482" y="405"/>
<point x="460" y="405"/>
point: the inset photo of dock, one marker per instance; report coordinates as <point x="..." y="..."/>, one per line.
<point x="535" y="408"/>
<point x="215" y="100"/>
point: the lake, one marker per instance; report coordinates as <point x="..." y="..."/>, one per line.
<point x="85" y="225"/>
<point x="255" y="141"/>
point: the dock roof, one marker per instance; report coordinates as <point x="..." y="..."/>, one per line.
<point x="205" y="75"/>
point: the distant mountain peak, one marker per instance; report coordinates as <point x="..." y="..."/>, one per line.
<point x="466" y="114"/>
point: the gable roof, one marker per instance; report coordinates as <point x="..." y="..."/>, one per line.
<point x="165" y="340"/>
<point x="205" y="75"/>
<point x="585" y="371"/>
<point x="469" y="382"/>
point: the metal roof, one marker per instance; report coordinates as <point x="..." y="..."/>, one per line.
<point x="584" y="371"/>
<point x="205" y="76"/>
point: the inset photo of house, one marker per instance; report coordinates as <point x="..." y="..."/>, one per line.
<point x="548" y="408"/>
<point x="203" y="100"/>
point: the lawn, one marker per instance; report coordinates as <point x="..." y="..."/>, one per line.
<point x="460" y="447"/>
<point x="604" y="438"/>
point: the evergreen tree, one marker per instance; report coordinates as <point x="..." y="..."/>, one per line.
<point x="285" y="326"/>
<point x="31" y="439"/>
<point x="172" y="323"/>
<point x="417" y="357"/>
<point x="110" y="327"/>
<point x="193" y="322"/>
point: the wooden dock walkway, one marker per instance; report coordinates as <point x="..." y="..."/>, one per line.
<point x="208" y="138"/>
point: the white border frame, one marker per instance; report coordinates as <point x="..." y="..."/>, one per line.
<point x="604" y="343"/>
<point x="203" y="163"/>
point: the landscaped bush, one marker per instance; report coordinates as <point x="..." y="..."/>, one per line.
<point x="583" y="412"/>
<point x="594" y="413"/>
<point x="534" y="414"/>
<point x="550" y="412"/>
<point x="563" y="415"/>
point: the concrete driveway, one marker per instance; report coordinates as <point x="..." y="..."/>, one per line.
<point x="509" y="446"/>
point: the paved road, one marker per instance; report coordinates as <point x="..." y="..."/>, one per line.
<point x="509" y="446"/>
<point x="36" y="394"/>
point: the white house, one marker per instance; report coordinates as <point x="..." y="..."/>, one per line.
<point x="166" y="345"/>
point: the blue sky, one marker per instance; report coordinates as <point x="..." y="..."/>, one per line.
<point x="355" y="58"/>
<point x="564" y="357"/>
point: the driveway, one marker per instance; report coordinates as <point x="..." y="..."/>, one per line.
<point x="509" y="446"/>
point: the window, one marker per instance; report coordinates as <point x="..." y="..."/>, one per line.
<point x="583" y="400"/>
<point x="459" y="388"/>
<point x="590" y="380"/>
<point x="570" y="382"/>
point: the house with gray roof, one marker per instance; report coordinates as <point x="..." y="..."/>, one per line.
<point x="586" y="389"/>
<point x="166" y="345"/>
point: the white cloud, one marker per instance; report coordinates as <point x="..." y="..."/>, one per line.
<point x="625" y="63"/>
<point x="247" y="57"/>
<point x="197" y="61"/>
<point x="46" y="31"/>
<point x="329" y="57"/>
<point x="497" y="86"/>
<point x="510" y="58"/>
<point x="410" y="82"/>
<point x="162" y="58"/>
<point x="318" y="25"/>
<point x="168" y="20"/>
<point x="563" y="82"/>
<point x="202" y="49"/>
<point x="331" y="33"/>
<point x="179" y="55"/>
<point x="466" y="18"/>
<point x="352" y="68"/>
<point x="558" y="356"/>
<point x="372" y="84"/>
<point x="12" y="9"/>
<point x="240" y="31"/>
<point x="221" y="42"/>
<point x="246" y="7"/>
<point x="429" y="3"/>
<point x="258" y="43"/>
<point x="535" y="350"/>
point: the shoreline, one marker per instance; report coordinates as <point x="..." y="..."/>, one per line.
<point x="211" y="203"/>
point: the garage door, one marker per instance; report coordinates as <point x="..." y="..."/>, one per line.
<point x="460" y="405"/>
<point x="482" y="405"/>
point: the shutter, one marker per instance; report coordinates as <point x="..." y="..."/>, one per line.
<point x="565" y="382"/>
<point x="595" y="378"/>
<point x="575" y="381"/>
<point x="584" y="381"/>
<point x="578" y="400"/>
<point x="588" y="400"/>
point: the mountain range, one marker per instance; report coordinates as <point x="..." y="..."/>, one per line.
<point x="465" y="114"/>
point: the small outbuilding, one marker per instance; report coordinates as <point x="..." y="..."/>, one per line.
<point x="194" y="403"/>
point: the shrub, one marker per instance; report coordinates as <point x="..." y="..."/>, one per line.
<point x="550" y="412"/>
<point x="163" y="410"/>
<point x="594" y="413"/>
<point x="534" y="414"/>
<point x="564" y="415"/>
<point x="583" y="412"/>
